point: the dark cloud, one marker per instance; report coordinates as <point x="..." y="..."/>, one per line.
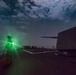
<point x="57" y="9"/>
<point x="11" y="3"/>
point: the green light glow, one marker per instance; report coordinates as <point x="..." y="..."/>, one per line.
<point x="12" y="45"/>
<point x="16" y="42"/>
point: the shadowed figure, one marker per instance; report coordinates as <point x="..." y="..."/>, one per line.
<point x="8" y="49"/>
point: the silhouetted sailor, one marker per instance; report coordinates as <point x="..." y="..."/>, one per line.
<point x="9" y="48"/>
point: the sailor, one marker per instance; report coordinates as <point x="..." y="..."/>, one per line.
<point x="9" y="48"/>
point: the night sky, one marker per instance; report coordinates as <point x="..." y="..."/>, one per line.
<point x="28" y="20"/>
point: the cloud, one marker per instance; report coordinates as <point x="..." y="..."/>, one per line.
<point x="52" y="9"/>
<point x="3" y="4"/>
<point x="56" y="9"/>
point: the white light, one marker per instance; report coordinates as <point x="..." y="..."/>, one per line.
<point x="13" y="43"/>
